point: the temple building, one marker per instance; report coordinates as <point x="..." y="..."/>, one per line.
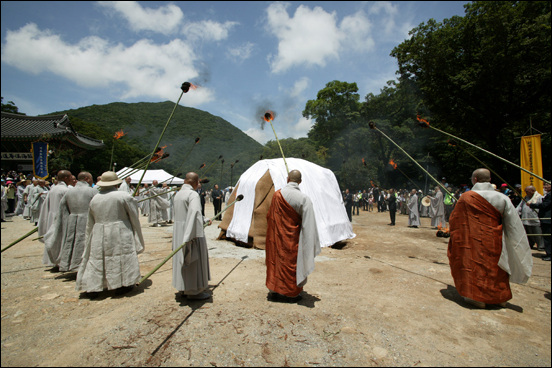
<point x="20" y="131"/>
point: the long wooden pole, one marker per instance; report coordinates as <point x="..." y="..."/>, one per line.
<point x="239" y="198"/>
<point x="373" y="126"/>
<point x="18" y="240"/>
<point x="425" y="124"/>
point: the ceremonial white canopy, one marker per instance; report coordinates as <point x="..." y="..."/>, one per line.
<point x="151" y="175"/>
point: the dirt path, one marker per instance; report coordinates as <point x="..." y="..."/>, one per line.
<point x="385" y="299"/>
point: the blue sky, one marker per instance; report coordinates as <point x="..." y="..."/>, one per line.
<point x="244" y="56"/>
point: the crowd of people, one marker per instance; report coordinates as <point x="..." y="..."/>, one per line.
<point x="440" y="201"/>
<point x="94" y="228"/>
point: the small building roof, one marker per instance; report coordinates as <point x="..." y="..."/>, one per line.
<point x="17" y="127"/>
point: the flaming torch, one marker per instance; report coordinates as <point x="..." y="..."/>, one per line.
<point x="268" y="117"/>
<point x="425" y="124"/>
<point x="396" y="167"/>
<point x="118" y="135"/>
<point x="373" y="126"/>
<point x="185" y="88"/>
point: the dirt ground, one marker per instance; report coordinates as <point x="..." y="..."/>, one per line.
<point x="384" y="299"/>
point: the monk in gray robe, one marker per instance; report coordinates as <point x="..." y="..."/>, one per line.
<point x="50" y="208"/>
<point x="113" y="240"/>
<point x="65" y="240"/>
<point x="292" y="241"/>
<point x="438" y="209"/>
<point x="413" y="214"/>
<point x="191" y="273"/>
<point x="36" y="197"/>
<point x="125" y="186"/>
<point x="157" y="205"/>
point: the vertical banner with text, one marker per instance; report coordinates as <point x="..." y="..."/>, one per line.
<point x="531" y="159"/>
<point x="40" y="159"/>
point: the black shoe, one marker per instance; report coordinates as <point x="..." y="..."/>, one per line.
<point x="547" y="258"/>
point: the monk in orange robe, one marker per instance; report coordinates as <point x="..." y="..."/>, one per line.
<point x="487" y="246"/>
<point x="291" y="241"/>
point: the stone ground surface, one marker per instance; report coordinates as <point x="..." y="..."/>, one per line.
<point x="386" y="298"/>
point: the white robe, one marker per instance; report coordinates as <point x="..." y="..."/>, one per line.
<point x="516" y="258"/>
<point x="27" y="205"/>
<point x="48" y="213"/>
<point x="113" y="241"/>
<point x="157" y="206"/>
<point x="65" y="240"/>
<point x="36" y="198"/>
<point x="191" y="272"/>
<point x="413" y="215"/>
<point x="309" y="242"/>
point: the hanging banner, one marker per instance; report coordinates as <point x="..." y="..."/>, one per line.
<point x="40" y="160"/>
<point x="531" y="159"/>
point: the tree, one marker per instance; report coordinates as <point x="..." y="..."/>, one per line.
<point x="485" y="75"/>
<point x="10" y="107"/>
<point x="335" y="108"/>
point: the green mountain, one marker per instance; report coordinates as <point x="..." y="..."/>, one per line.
<point x="143" y="124"/>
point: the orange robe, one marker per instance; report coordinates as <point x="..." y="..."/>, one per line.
<point x="474" y="249"/>
<point x="282" y="245"/>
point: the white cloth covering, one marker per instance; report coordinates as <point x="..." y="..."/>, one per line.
<point x="191" y="272"/>
<point x="318" y="183"/>
<point x="113" y="241"/>
<point x="516" y="258"/>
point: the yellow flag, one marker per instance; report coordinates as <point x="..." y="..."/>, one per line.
<point x="531" y="159"/>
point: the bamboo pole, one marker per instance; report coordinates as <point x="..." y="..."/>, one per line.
<point x="21" y="238"/>
<point x="373" y="126"/>
<point x="425" y="124"/>
<point x="239" y="198"/>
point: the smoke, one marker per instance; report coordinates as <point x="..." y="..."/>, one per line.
<point x="260" y="112"/>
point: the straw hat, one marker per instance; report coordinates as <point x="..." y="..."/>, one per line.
<point x="109" y="178"/>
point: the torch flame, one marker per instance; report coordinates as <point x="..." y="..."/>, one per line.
<point x="158" y="153"/>
<point x="268" y="116"/>
<point x="202" y="166"/>
<point x="363" y="162"/>
<point x="422" y="122"/>
<point x="372" y="183"/>
<point x="119" y="134"/>
<point x="392" y="163"/>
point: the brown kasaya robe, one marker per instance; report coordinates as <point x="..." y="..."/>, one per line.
<point x="474" y="250"/>
<point x="282" y="245"/>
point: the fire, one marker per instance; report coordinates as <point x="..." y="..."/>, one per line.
<point x="422" y="122"/>
<point x="186" y="87"/>
<point x="202" y="166"/>
<point x="119" y="134"/>
<point x="392" y="163"/>
<point x="372" y="183"/>
<point x="158" y="153"/>
<point x="363" y="162"/>
<point x="268" y="116"/>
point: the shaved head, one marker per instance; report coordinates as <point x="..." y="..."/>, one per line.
<point x="294" y="176"/>
<point x="192" y="179"/>
<point x="481" y="176"/>
<point x="64" y="175"/>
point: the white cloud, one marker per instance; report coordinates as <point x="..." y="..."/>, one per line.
<point x="208" y="30"/>
<point x="142" y="69"/>
<point x="299" y="87"/>
<point x="386" y="13"/>
<point x="310" y="38"/>
<point x="357" y="30"/>
<point x="165" y="19"/>
<point x="240" y="53"/>
<point x="260" y="135"/>
<point x="301" y="128"/>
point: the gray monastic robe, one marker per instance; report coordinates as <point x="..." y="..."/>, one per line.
<point x="413" y="216"/>
<point x="157" y="206"/>
<point x="438" y="207"/>
<point x="191" y="272"/>
<point x="36" y="198"/>
<point x="64" y="241"/>
<point x="113" y="241"/>
<point x="27" y="205"/>
<point x="48" y="213"/>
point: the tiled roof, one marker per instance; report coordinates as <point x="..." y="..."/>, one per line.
<point x="22" y="127"/>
